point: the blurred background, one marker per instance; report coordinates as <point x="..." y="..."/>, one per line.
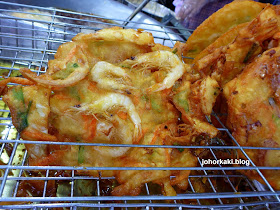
<point x="186" y="13"/>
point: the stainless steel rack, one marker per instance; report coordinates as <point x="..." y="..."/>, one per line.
<point x="29" y="37"/>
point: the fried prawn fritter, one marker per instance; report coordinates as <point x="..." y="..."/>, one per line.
<point x="114" y="87"/>
<point x="219" y="23"/>
<point x="228" y="55"/>
<point x="224" y="63"/>
<point x="121" y="101"/>
<point x="166" y="63"/>
<point x="156" y="157"/>
<point x="29" y="107"/>
<point x="109" y="76"/>
<point x="113" y="45"/>
<point x="195" y="101"/>
<point x="224" y="40"/>
<point x="254" y="111"/>
<point x="65" y="73"/>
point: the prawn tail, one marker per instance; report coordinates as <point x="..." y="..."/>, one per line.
<point x="137" y="133"/>
<point x="156" y="87"/>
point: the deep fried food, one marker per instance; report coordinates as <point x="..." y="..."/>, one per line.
<point x="219" y="23"/>
<point x="65" y="73"/>
<point x="156" y="157"/>
<point x="219" y="63"/>
<point x="169" y="66"/>
<point x="118" y="87"/>
<point x="109" y="76"/>
<point x="195" y="101"/>
<point x="113" y="45"/>
<point x="228" y="55"/>
<point x="254" y="111"/>
<point x="224" y="63"/>
<point x="87" y="97"/>
<point x="29" y="107"/>
<point x="222" y="41"/>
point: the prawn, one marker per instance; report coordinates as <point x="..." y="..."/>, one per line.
<point x="111" y="100"/>
<point x="225" y="62"/>
<point x="74" y="68"/>
<point x="123" y="133"/>
<point x="162" y="60"/>
<point x="17" y="80"/>
<point x="109" y="76"/>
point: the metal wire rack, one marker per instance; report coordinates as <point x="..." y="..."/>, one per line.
<point x="29" y="37"/>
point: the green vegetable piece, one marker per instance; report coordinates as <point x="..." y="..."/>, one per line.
<point x="175" y="51"/>
<point x="179" y="149"/>
<point x="155" y="105"/>
<point x="63" y="190"/>
<point x="23" y="117"/>
<point x="250" y="52"/>
<point x="144" y="97"/>
<point x="84" y="188"/>
<point x="125" y="66"/>
<point x="193" y="50"/>
<point x="22" y="114"/>
<point x="18" y="93"/>
<point x="182" y="101"/>
<point x="176" y="86"/>
<point x="184" y="104"/>
<point x="276" y="119"/>
<point x="81" y="156"/>
<point x="99" y="43"/>
<point x="73" y="91"/>
<point x="64" y="73"/>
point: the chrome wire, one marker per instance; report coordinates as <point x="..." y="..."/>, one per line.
<point x="31" y="43"/>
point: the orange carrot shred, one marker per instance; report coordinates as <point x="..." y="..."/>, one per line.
<point x="156" y="133"/>
<point x="167" y="154"/>
<point x="90" y="126"/>
<point x="122" y="115"/>
<point x="144" y="131"/>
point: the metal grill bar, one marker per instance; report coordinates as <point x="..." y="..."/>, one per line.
<point x="36" y="39"/>
<point x="5" y="35"/>
<point x="20" y="174"/>
<point x="141" y="205"/>
<point x="44" y="37"/>
<point x="83" y="15"/>
<point x="47" y="43"/>
<point x="248" y="158"/>
<point x="193" y="190"/>
<point x="7" y="169"/>
<point x="21" y="59"/>
<point x="135" y="168"/>
<point x="210" y="182"/>
<point x="231" y="184"/>
<point x="131" y="145"/>
<point x="106" y="178"/>
<point x="213" y="195"/>
<point x="61" y="24"/>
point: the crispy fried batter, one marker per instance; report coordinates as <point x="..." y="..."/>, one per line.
<point x="155" y="157"/>
<point x="29" y="106"/>
<point x="222" y="41"/>
<point x="117" y="86"/>
<point x="91" y="93"/>
<point x="64" y="73"/>
<point x="224" y="63"/>
<point x="195" y="101"/>
<point x="254" y="110"/>
<point x="218" y="23"/>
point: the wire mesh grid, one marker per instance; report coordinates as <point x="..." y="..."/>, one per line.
<point x="30" y="37"/>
